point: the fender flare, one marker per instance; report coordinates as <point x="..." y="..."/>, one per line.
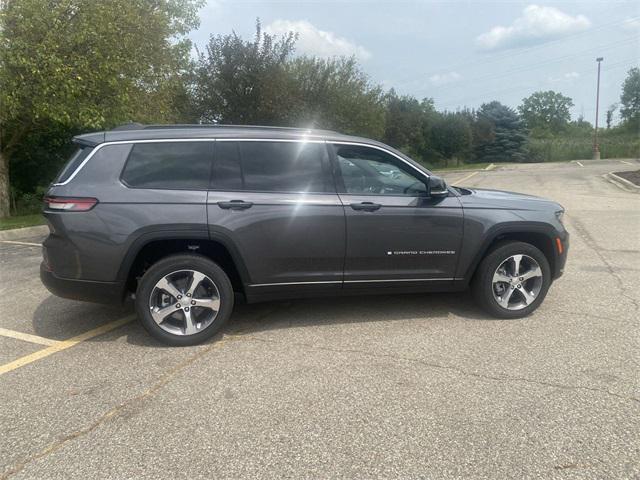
<point x="522" y="228"/>
<point x="144" y="238"/>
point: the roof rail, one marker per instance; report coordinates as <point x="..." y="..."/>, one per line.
<point x="139" y="126"/>
<point x="129" y="126"/>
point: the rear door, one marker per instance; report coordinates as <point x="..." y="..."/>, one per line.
<point x="396" y="234"/>
<point x="276" y="202"/>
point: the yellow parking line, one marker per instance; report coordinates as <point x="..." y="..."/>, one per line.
<point x="465" y="178"/>
<point x="64" y="344"/>
<point x="14" y="242"/>
<point x="26" y="337"/>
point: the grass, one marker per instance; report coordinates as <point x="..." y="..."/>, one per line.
<point x="21" y="221"/>
<point x="580" y="148"/>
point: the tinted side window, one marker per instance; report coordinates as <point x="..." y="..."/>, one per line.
<point x="285" y="167"/>
<point x="226" y="173"/>
<point x="169" y="165"/>
<point x="369" y="171"/>
<point x="74" y="162"/>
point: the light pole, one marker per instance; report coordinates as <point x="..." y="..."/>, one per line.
<point x="596" y="147"/>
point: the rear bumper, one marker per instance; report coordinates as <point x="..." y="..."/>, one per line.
<point x="83" y="290"/>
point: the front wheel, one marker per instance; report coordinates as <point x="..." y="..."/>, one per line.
<point x="512" y="280"/>
<point x="184" y="299"/>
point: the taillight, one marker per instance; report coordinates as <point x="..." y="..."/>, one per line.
<point x="70" y="204"/>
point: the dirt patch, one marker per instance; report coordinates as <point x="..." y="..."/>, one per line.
<point x="633" y="176"/>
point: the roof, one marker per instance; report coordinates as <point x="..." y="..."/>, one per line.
<point x="136" y="131"/>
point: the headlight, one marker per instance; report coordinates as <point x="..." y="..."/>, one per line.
<point x="560" y="216"/>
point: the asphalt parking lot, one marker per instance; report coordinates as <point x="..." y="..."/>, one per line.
<point x="412" y="386"/>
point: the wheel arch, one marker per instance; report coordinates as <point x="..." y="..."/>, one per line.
<point x="153" y="246"/>
<point x="539" y="235"/>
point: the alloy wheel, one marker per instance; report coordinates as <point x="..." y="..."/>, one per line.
<point x="517" y="282"/>
<point x="184" y="302"/>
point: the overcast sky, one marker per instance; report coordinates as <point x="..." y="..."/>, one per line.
<point x="460" y="53"/>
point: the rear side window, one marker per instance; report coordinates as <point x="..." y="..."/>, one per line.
<point x="227" y="171"/>
<point x="290" y="167"/>
<point x="72" y="165"/>
<point x="169" y="165"/>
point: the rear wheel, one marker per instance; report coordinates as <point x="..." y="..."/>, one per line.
<point x="512" y="280"/>
<point x="184" y="299"/>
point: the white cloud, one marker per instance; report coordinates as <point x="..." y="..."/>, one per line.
<point x="313" y="41"/>
<point x="567" y="77"/>
<point x="537" y="24"/>
<point x="632" y="23"/>
<point x="444" y="78"/>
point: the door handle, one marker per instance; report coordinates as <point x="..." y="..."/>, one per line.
<point x="235" y="205"/>
<point x="366" y="206"/>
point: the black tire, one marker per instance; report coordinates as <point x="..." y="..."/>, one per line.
<point x="175" y="263"/>
<point x="482" y="285"/>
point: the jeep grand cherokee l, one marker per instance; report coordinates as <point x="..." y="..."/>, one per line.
<point x="185" y="219"/>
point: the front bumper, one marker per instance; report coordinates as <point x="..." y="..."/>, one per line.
<point x="83" y="290"/>
<point x="561" y="256"/>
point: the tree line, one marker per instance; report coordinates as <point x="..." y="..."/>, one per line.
<point x="72" y="66"/>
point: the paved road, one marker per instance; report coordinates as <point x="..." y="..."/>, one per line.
<point x="415" y="386"/>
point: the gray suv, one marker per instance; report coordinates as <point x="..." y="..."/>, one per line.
<point x="188" y="219"/>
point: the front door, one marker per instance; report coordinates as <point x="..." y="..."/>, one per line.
<point x="396" y="234"/>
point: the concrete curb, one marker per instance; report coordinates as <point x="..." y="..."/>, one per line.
<point x="622" y="183"/>
<point x="18" y="233"/>
<point x="463" y="170"/>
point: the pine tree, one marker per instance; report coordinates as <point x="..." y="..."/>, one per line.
<point x="504" y="136"/>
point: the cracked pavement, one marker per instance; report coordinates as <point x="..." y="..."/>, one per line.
<point x="409" y="386"/>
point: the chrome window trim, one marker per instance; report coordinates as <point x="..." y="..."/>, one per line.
<point x="382" y="149"/>
<point x="288" y="140"/>
<point x="128" y="142"/>
<point x="176" y="140"/>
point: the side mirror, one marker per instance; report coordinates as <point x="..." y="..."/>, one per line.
<point x="437" y="187"/>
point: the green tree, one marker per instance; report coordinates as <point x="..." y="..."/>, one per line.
<point x="261" y="82"/>
<point x="546" y="113"/>
<point x="408" y="122"/>
<point x="85" y="64"/>
<point x="335" y="94"/>
<point x="504" y="136"/>
<point x="245" y="82"/>
<point x="579" y="127"/>
<point x="630" y="100"/>
<point x="451" y="135"/>
<point x="610" y="112"/>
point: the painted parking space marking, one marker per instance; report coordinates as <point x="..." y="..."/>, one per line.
<point x="465" y="178"/>
<point x="64" y="344"/>
<point x="580" y="164"/>
<point x="15" y="242"/>
<point x="625" y="162"/>
<point x="27" y="337"/>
